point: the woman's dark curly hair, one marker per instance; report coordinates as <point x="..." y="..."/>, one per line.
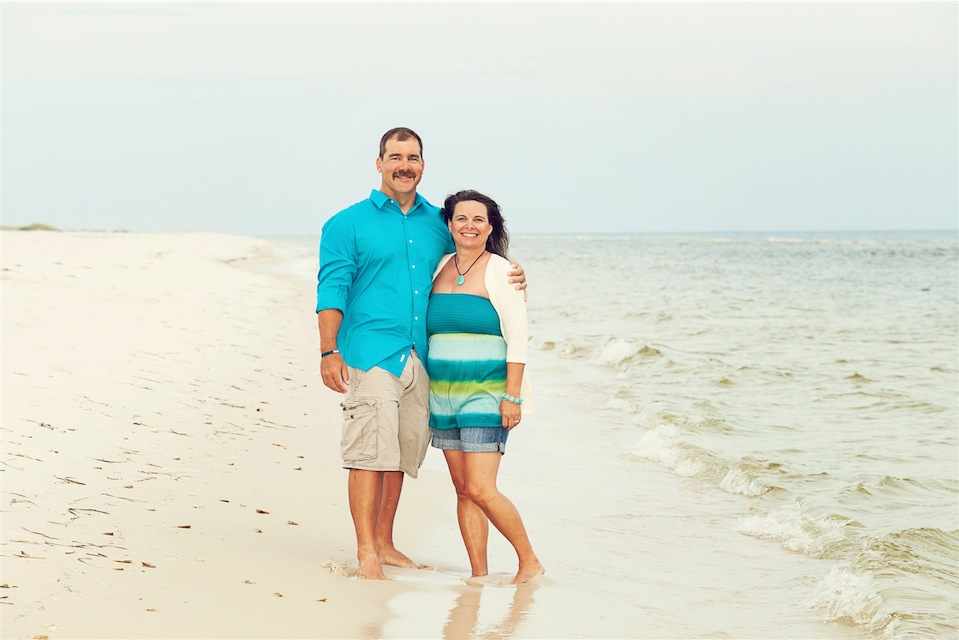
<point x="498" y="241"/>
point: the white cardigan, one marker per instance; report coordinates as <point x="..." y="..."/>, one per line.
<point x="510" y="306"/>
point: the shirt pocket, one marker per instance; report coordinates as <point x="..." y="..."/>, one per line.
<point x="359" y="429"/>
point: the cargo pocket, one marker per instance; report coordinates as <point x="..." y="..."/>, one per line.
<point x="359" y="430"/>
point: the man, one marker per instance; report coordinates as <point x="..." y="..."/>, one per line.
<point x="377" y="259"/>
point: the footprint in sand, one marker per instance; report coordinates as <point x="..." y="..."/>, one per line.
<point x="338" y="569"/>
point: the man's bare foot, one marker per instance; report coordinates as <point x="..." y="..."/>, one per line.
<point x="528" y="571"/>
<point x="394" y="558"/>
<point x="370" y="569"/>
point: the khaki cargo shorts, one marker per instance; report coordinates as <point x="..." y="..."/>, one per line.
<point x="386" y="419"/>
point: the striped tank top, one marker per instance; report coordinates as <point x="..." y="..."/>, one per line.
<point x="467" y="361"/>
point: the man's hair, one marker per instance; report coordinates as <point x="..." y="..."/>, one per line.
<point x="402" y="134"/>
<point x="498" y="241"/>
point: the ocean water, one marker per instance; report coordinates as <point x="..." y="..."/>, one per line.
<point x="744" y="435"/>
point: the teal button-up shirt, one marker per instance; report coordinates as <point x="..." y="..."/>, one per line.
<point x="376" y="266"/>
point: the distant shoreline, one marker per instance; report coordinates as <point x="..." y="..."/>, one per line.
<point x="35" y="226"/>
<point x="39" y="226"/>
<point x="685" y="234"/>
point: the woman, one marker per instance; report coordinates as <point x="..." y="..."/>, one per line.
<point x="477" y="354"/>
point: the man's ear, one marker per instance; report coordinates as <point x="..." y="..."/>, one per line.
<point x="379" y="164"/>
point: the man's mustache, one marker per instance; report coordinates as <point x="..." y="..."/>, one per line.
<point x="404" y="174"/>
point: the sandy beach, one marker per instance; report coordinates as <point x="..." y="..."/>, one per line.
<point x="170" y="462"/>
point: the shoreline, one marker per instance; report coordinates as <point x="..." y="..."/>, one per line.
<point x="170" y="460"/>
<point x="171" y="470"/>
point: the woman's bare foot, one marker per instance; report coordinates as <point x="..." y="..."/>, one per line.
<point x="528" y="571"/>
<point x="394" y="558"/>
<point x="482" y="581"/>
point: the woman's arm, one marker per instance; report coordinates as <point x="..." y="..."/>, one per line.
<point x="510" y="305"/>
<point x="511" y="412"/>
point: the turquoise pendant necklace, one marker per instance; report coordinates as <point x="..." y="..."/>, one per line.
<point x="462" y="276"/>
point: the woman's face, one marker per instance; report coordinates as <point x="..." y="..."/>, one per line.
<point x="470" y="225"/>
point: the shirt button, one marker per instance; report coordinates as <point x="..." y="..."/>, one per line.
<point x="416" y="317"/>
<point x="416" y="292"/>
<point x="411" y="242"/>
<point x="414" y="266"/>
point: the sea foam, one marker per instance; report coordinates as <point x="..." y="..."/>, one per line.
<point x="798" y="528"/>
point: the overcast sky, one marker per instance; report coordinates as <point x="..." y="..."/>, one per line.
<point x="264" y="119"/>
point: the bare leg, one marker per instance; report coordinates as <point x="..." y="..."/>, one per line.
<point x="474" y="525"/>
<point x="383" y="532"/>
<point x="481" y="470"/>
<point x="365" y="489"/>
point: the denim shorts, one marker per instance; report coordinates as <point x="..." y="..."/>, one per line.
<point x="471" y="439"/>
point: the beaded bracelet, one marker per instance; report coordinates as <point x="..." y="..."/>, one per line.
<point x="510" y="398"/>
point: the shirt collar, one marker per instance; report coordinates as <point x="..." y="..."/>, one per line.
<point x="379" y="199"/>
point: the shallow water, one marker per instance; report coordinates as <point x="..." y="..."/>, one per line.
<point x="743" y="435"/>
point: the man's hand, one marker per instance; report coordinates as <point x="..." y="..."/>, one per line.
<point x="517" y="276"/>
<point x="332" y="367"/>
<point x="334" y="372"/>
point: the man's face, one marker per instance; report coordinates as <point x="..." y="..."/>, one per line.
<point x="401" y="167"/>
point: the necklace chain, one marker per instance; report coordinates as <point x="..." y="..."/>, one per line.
<point x="462" y="276"/>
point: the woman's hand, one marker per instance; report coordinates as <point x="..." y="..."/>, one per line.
<point x="512" y="414"/>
